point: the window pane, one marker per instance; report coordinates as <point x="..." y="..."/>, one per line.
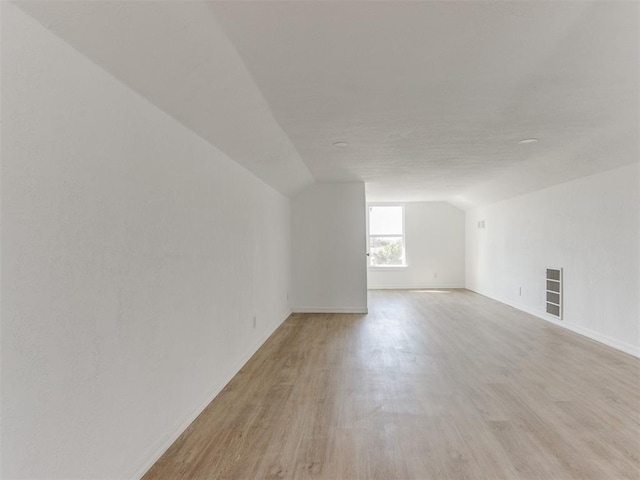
<point x="386" y="251"/>
<point x="385" y="220"/>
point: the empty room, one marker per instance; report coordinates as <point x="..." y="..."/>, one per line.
<point x="329" y="240"/>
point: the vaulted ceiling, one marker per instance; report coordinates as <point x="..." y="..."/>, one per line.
<point x="431" y="97"/>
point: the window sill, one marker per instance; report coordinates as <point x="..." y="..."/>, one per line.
<point x="387" y="267"/>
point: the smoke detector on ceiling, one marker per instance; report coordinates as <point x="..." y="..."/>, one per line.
<point x="341" y="144"/>
<point x="528" y="140"/>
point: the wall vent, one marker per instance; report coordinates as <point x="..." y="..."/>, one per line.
<point x="554" y="292"/>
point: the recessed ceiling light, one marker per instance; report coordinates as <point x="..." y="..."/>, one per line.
<point x="341" y="144"/>
<point x="528" y="140"/>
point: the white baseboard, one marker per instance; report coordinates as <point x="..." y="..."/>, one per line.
<point x="580" y="330"/>
<point x="414" y="287"/>
<point x="154" y="452"/>
<point x="328" y="310"/>
<point x="598" y="337"/>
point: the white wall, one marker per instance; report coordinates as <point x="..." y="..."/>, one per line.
<point x="434" y="240"/>
<point x="590" y="227"/>
<point x="134" y="257"/>
<point x="328" y="241"/>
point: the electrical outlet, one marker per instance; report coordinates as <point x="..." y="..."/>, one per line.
<point x="520" y="291"/>
<point x="435" y="275"/>
<point x="254" y="321"/>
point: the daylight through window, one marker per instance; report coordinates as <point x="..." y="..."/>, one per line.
<point x="386" y="235"/>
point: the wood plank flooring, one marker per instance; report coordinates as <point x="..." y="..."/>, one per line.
<point x="428" y="385"/>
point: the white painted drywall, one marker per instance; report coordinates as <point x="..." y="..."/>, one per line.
<point x="329" y="249"/>
<point x="134" y="257"/>
<point x="589" y="227"/>
<point x="434" y="240"/>
<point x="176" y="55"/>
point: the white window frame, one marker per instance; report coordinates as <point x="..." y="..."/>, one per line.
<point x="404" y="237"/>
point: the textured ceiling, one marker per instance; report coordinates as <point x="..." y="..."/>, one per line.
<point x="432" y="97"/>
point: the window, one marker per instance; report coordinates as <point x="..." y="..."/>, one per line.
<point x="386" y="236"/>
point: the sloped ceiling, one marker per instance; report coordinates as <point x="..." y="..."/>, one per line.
<point x="432" y="97"/>
<point x="175" y="54"/>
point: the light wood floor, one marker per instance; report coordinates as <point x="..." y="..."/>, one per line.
<point x="426" y="386"/>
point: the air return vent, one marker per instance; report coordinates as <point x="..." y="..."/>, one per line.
<point x="554" y="292"/>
